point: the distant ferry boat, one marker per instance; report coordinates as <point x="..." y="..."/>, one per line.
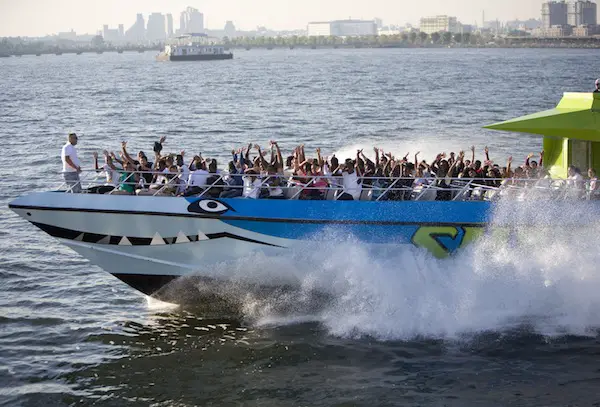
<point x="193" y="47"/>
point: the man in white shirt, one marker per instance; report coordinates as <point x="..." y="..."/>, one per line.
<point x="351" y="182"/>
<point x="71" y="164"/>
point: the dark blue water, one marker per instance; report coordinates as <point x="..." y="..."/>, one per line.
<point x="489" y="327"/>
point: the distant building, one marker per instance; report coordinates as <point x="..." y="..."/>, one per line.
<point x="170" y="25"/>
<point x="554" y="13"/>
<point x="191" y="21"/>
<point x="156" y="29"/>
<point x="121" y="31"/>
<point x="112" y="35"/>
<point x="378" y="23"/>
<point x="442" y="23"/>
<point x="526" y="25"/>
<point x="67" y="35"/>
<point x="581" y="13"/>
<point x="137" y="32"/>
<point x="556" y="31"/>
<point x="342" y="28"/>
<point x="229" y="29"/>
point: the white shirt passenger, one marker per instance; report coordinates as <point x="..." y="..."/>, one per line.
<point x="112" y="176"/>
<point x="351" y="184"/>
<point x="198" y="178"/>
<point x="251" y="188"/>
<point x="70" y="151"/>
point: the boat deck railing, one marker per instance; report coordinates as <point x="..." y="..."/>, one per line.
<point x="371" y="188"/>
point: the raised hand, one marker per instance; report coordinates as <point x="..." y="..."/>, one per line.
<point x="542" y="153"/>
<point x="162" y="139"/>
<point x="124" y="144"/>
<point x="510" y="159"/>
<point x="530" y="155"/>
<point x="473" y="149"/>
<point x="106" y="154"/>
<point x="95" y="154"/>
<point x="486" y="150"/>
<point x="182" y="153"/>
<point x="256" y="146"/>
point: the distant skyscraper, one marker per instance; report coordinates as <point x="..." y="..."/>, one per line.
<point x="191" y="21"/>
<point x="554" y="13"/>
<point x="581" y="13"/>
<point x="156" y="30"/>
<point x="121" y="31"/>
<point x="169" y="25"/>
<point x="137" y="32"/>
<point x="378" y="22"/>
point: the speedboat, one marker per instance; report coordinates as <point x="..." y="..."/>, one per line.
<point x="148" y="241"/>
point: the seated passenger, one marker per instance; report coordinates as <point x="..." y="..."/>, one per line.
<point x="252" y="184"/>
<point x="127" y="180"/>
<point x="352" y="187"/>
<point x="274" y="183"/>
<point x="233" y="181"/>
<point x="110" y="171"/>
<point x="197" y="180"/>
<point x="214" y="182"/>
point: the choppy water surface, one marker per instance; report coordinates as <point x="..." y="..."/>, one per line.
<point x="489" y="327"/>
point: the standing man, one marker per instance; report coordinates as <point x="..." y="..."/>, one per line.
<point x="71" y="164"/>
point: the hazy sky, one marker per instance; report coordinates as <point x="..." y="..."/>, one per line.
<point x="41" y="17"/>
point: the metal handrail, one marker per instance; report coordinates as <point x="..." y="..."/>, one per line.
<point x="460" y="187"/>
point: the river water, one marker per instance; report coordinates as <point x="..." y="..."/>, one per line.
<point x="488" y="327"/>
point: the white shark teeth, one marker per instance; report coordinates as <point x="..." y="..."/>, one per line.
<point x="157" y="240"/>
<point x="182" y="238"/>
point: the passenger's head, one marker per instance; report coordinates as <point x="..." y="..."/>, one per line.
<point x="72" y="138"/>
<point x="179" y="160"/>
<point x="444" y="166"/>
<point x="129" y="166"/>
<point x="144" y="160"/>
<point x="477" y="164"/>
<point x="533" y="164"/>
<point x="519" y="172"/>
<point x="315" y="167"/>
<point x="169" y="161"/>
<point x="212" y="167"/>
<point x="571" y="171"/>
<point x="349" y="164"/>
<point x="592" y="173"/>
<point x="334" y="162"/>
<point x="598" y="84"/>
<point x="472" y="173"/>
<point x="231" y="167"/>
<point x="289" y="161"/>
<point x="173" y="168"/>
<point x="162" y="164"/>
<point x="140" y="155"/>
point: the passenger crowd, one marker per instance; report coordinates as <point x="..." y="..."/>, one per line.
<point x="256" y="173"/>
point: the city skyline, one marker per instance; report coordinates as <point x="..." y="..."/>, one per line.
<point x="32" y="18"/>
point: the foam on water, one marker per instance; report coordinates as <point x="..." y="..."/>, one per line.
<point x="542" y="277"/>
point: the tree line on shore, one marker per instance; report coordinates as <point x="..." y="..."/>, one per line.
<point x="412" y="39"/>
<point x="19" y="46"/>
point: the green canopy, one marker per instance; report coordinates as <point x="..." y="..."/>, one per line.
<point x="577" y="116"/>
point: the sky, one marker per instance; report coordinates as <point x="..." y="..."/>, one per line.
<point x="42" y="17"/>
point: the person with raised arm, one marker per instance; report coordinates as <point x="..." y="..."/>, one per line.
<point x="110" y="171"/>
<point x="71" y="164"/>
